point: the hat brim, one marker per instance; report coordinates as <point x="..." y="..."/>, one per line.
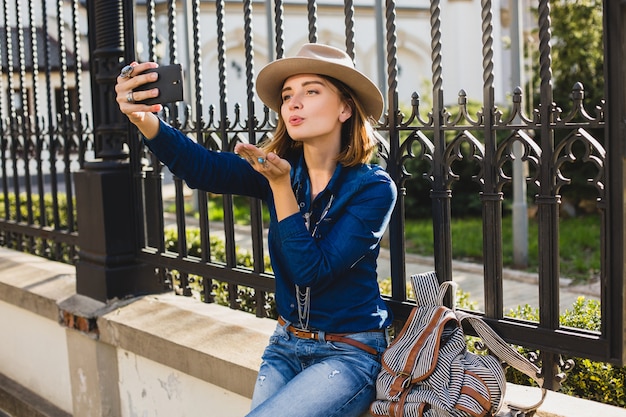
<point x="272" y="77"/>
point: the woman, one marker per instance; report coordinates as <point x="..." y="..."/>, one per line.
<point x="328" y="211"/>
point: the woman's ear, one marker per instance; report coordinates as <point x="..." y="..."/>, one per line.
<point x="346" y="112"/>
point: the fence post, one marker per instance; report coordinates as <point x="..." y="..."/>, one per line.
<point x="105" y="196"/>
<point x="613" y="312"/>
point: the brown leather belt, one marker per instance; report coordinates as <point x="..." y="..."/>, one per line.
<point x="329" y="337"/>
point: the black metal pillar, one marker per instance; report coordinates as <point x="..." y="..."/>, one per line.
<point x="105" y="198"/>
<point x="614" y="287"/>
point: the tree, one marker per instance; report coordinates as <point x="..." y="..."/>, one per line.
<point x="577" y="56"/>
<point x="577" y="51"/>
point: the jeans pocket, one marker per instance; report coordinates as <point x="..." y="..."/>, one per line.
<point x="279" y="333"/>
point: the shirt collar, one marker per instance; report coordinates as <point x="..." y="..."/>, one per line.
<point x="301" y="177"/>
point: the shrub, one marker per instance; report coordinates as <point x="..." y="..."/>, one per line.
<point x="246" y="298"/>
<point x="34" y="204"/>
<point x="30" y="213"/>
<point x="462" y="298"/>
<point x="590" y="380"/>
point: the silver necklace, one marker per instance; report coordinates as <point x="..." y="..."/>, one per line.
<point x="303" y="298"/>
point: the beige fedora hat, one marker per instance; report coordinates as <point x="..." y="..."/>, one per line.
<point x="315" y="58"/>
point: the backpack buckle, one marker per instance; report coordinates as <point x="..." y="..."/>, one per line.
<point x="406" y="381"/>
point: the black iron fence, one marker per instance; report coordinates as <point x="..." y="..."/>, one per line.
<point x="70" y="161"/>
<point x="43" y="129"/>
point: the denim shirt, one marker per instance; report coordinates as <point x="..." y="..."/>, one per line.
<point x="331" y="245"/>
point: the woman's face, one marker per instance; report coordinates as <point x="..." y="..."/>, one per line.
<point x="312" y="108"/>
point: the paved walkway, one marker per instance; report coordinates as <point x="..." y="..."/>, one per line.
<point x="520" y="288"/>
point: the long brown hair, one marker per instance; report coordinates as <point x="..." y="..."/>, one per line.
<point x="358" y="140"/>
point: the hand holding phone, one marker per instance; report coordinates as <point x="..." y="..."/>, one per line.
<point x="169" y="83"/>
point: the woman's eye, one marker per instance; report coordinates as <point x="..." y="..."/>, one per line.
<point x="286" y="97"/>
<point x="311" y="92"/>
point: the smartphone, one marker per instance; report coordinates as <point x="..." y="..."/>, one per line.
<point x="169" y="83"/>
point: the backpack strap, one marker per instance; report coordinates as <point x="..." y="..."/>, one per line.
<point x="505" y="352"/>
<point x="428" y="291"/>
<point x="412" y="356"/>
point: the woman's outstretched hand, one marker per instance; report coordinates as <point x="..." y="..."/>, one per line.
<point x="276" y="170"/>
<point x="270" y="165"/>
<point x="139" y="114"/>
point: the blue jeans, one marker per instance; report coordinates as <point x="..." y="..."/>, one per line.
<point x="316" y="378"/>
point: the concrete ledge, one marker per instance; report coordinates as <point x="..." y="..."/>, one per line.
<point x="34" y="283"/>
<point x="210" y="342"/>
<point x="18" y="401"/>
<point x="561" y="405"/>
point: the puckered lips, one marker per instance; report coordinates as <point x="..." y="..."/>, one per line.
<point x="296" y="120"/>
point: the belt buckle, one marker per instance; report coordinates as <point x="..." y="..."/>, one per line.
<point x="308" y="334"/>
<point x="304" y="334"/>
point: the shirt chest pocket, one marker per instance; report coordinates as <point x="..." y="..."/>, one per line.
<point x="323" y="228"/>
<point x="318" y="221"/>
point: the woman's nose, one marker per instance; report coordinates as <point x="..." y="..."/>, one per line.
<point x="295" y="102"/>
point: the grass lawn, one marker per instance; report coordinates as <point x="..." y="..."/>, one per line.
<point x="579" y="243"/>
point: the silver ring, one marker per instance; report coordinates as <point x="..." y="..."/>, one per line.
<point x="261" y="160"/>
<point x="126" y="72"/>
<point x="129" y="97"/>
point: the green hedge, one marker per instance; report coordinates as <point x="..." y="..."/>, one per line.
<point x="34" y="204"/>
<point x="30" y="209"/>
<point x="590" y="380"/>
<point x="220" y="291"/>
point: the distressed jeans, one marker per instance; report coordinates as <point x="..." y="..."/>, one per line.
<point x="316" y="378"/>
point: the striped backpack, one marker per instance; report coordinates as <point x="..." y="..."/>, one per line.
<point x="427" y="370"/>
